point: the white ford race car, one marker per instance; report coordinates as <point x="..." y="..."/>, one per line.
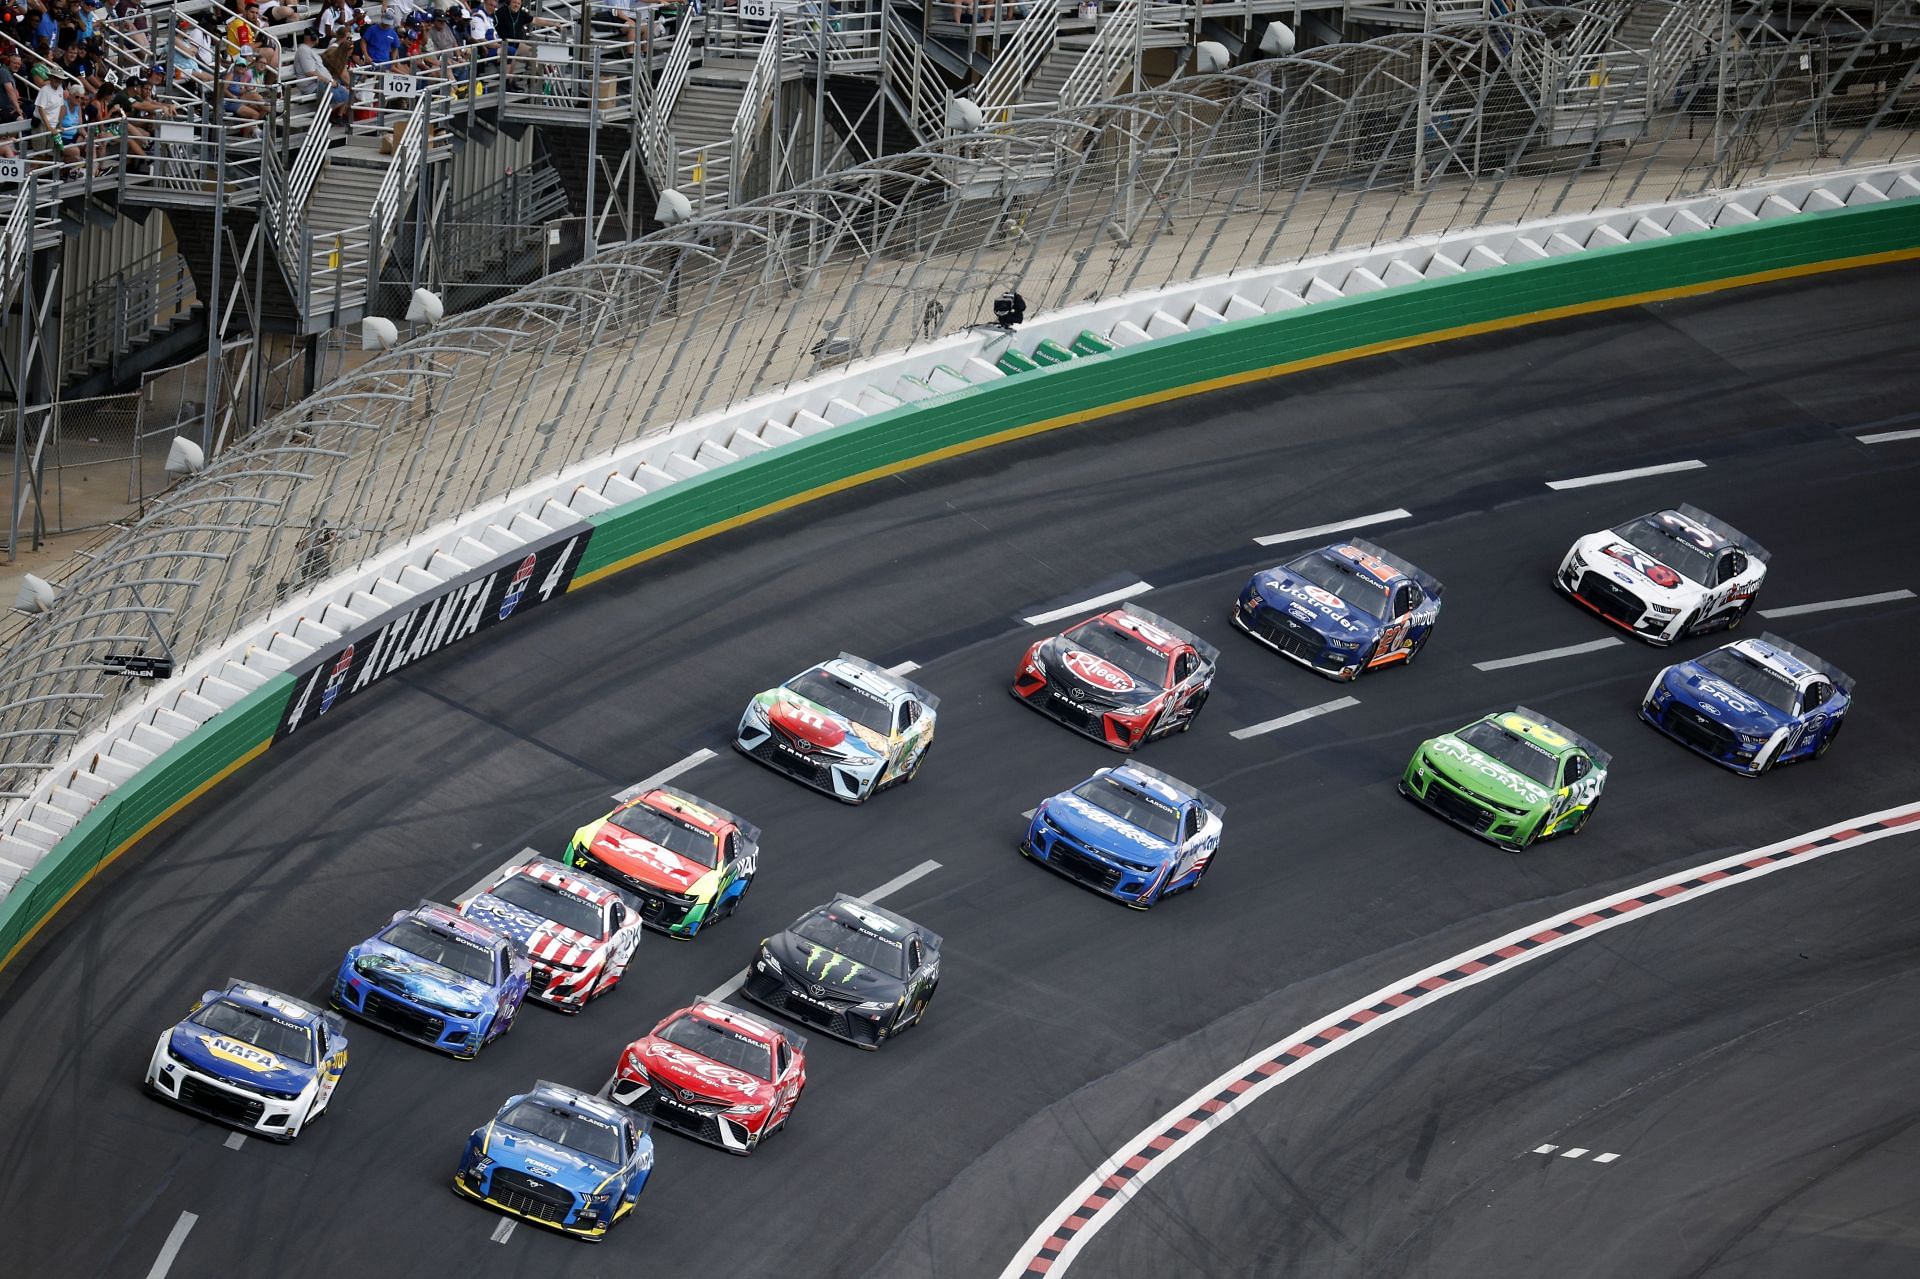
<point x="1666" y="575"/>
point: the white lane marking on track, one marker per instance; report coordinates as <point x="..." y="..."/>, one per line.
<point x="1544" y="1150"/>
<point x="1081" y="606"/>
<point x="480" y="885"/>
<point x="1605" y="1159"/>
<point x="1887" y="437"/>
<point x="1030" y="812"/>
<point x="672" y="771"/>
<point x="1573" y="1153"/>
<point x="1649" y="894"/>
<point x="1854" y="601"/>
<point x="1297" y="717"/>
<point x="171" y="1248"/>
<point x="235" y="1140"/>
<point x="1546" y="655"/>
<point x="892" y="886"/>
<point x="1634" y="473"/>
<point x="504" y="1231"/>
<point x="1338" y="526"/>
<point x="904" y="668"/>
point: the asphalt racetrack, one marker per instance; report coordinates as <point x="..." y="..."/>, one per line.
<point x="1748" y="1058"/>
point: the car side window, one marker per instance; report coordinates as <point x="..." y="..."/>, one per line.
<point x="1816" y="695"/>
<point x="782" y="1058"/>
<point x="1184" y="665"/>
<point x="616" y="915"/>
<point x="502" y="960"/>
<point x="1732" y="564"/>
<point x="1191" y="826"/>
<point x="914" y="955"/>
<point x="904" y="717"/>
<point x="1405" y="598"/>
<point x="729" y="847"/>
<point x="1576" y="769"/>
<point x="320" y="1036"/>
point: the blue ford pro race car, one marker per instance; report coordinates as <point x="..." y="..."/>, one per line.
<point x="251" y="1058"/>
<point x="1130" y="832"/>
<point x="437" y="978"/>
<point x="1751" y="704"/>
<point x="1342" y="610"/>
<point x="560" y="1157"/>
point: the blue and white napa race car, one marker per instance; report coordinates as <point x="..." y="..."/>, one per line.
<point x="251" y="1058"/>
<point x="560" y="1157"/>
<point x="438" y="978"/>
<point x="1665" y="575"/>
<point x="1342" y="610"/>
<point x="1751" y="704"/>
<point x="1132" y="833"/>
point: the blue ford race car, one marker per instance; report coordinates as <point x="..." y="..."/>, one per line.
<point x="1751" y="704"/>
<point x="560" y="1157"/>
<point x="252" y="1058"/>
<point x="1130" y="832"/>
<point x="437" y="978"/>
<point x="1342" y="610"/>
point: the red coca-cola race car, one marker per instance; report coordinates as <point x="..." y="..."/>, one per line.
<point x="716" y="1074"/>
<point x="1122" y="678"/>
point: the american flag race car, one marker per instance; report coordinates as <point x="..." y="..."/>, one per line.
<point x="580" y="931"/>
<point x="1342" y="610"/>
<point x="846" y="727"/>
<point x="1665" y="575"/>
<point x="1122" y="677"/>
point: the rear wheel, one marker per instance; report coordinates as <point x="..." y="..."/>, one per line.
<point x="1193" y="710"/>
<point x="1739" y="615"/>
<point x="1689" y="626"/>
<point x="1826" y="743"/>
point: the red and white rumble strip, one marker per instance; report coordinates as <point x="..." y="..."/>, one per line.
<point x="1051" y="1248"/>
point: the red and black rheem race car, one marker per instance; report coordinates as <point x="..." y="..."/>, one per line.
<point x="715" y="1073"/>
<point x="1121" y="678"/>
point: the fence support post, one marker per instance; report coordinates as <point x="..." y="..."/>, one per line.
<point x="587" y="245"/>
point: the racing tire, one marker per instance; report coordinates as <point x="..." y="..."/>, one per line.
<point x="1585" y="817"/>
<point x="918" y="761"/>
<point x="1421" y="643"/>
<point x="1687" y="627"/>
<point x="1826" y="743"/>
<point x="1739" y="615"/>
<point x="1193" y="711"/>
<point x="733" y="902"/>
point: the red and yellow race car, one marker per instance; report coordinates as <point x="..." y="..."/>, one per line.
<point x="688" y="862"/>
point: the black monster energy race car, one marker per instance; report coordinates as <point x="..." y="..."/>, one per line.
<point x="851" y="969"/>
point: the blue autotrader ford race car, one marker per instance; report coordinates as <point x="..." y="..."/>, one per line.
<point x="1751" y="704"/>
<point x="561" y="1157"/>
<point x="252" y="1058"/>
<point x="437" y="978"/>
<point x="1130" y="832"/>
<point x="1341" y="610"/>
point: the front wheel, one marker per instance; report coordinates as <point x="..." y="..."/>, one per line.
<point x="1739" y="615"/>
<point x="1826" y="743"/>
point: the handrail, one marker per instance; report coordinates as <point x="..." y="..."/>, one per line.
<point x="1116" y="43"/>
<point x="656" y="138"/>
<point x="1018" y="59"/>
<point x="16" y="242"/>
<point x="306" y="165"/>
<point x="384" y="218"/>
<point x="909" y="71"/>
<point x="756" y="102"/>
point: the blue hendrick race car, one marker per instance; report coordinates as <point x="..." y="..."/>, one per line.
<point x="251" y="1058"/>
<point x="1341" y="610"/>
<point x="1751" y="704"/>
<point x="560" y="1157"/>
<point x="1130" y="832"/>
<point x="437" y="978"/>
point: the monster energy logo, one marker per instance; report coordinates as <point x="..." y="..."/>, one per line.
<point x="828" y="961"/>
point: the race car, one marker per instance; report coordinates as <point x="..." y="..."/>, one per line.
<point x="1342" y="610"/>
<point x="715" y="1074"/>
<point x="687" y="862"/>
<point x="850" y="969"/>
<point x="559" y="1157"/>
<point x="845" y="727"/>
<point x="1751" y="704"/>
<point x="437" y="978"/>
<point x="1666" y="575"/>
<point x="579" y="931"/>
<point x="1512" y="778"/>
<point x="1121" y="678"/>
<point x="1130" y="832"/>
<point x="251" y="1058"/>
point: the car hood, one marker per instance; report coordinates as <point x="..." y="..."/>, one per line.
<point x="828" y="731"/>
<point x="407" y="974"/>
<point x="232" y="1059"/>
<point x="1093" y="679"/>
<point x="646" y="861"/>
<point x="1289" y="593"/>
<point x="690" y="1072"/>
<point x="1482" y="774"/>
<point x="1723" y="703"/>
<point x="537" y="1157"/>
<point x="810" y="965"/>
<point x="1096" y="827"/>
<point x="534" y="930"/>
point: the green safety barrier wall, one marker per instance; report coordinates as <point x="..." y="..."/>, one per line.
<point x="1053" y="396"/>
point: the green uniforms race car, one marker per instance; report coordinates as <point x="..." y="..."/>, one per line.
<point x="1511" y="778"/>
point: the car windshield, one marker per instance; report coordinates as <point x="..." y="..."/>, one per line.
<point x="1731" y="666"/>
<point x="594" y="1138"/>
<point x="1665" y="545"/>
<point x="263" y="1030"/>
<point x="669" y="832"/>
<point x="843" y="699"/>
<point x="1355" y="590"/>
<point x="1132" y="806"/>
<point x="1130" y="653"/>
<point x="462" y="956"/>
<point x="1511" y="749"/>
<point x="716" y="1042"/>
<point x="549" y="902"/>
<point x="854" y="941"/>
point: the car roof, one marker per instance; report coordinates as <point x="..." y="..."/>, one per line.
<point x="738" y="1020"/>
<point x="1791" y="662"/>
<point x="447" y="920"/>
<point x="703" y="814"/>
<point x="574" y="883"/>
<point x="1165" y="787"/>
<point x="878" y="918"/>
<point x="1542" y="729"/>
<point x="877" y="680"/>
<point x="587" y="1103"/>
<point x="285" y="1007"/>
<point x="1360" y="551"/>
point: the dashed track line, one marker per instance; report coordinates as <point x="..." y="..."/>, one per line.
<point x="480" y="885"/>
<point x="1114" y="596"/>
<point x="235" y="1140"/>
<point x="1338" y="526"/>
<point x="904" y="668"/>
<point x="1888" y="437"/>
<point x="1825" y="606"/>
<point x="504" y="1231"/>
<point x="1297" y="717"/>
<point x="1632" y="473"/>
<point x="1547" y="654"/>
<point x="171" y="1248"/>
<point x="672" y="771"/>
<point x="1576" y="1152"/>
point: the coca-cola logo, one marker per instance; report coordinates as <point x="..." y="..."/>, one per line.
<point x="1099" y="672"/>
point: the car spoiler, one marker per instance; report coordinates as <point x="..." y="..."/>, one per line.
<point x="1723" y="529"/>
<point x="759" y="1019"/>
<point x="251" y="989"/>
<point x="748" y="831"/>
<point x="1153" y="619"/>
<point x="852" y="899"/>
<point x="932" y="702"/>
<point x="1207" y="801"/>
<point x="1601" y="758"/>
<point x="1841" y="680"/>
<point x="1427" y="581"/>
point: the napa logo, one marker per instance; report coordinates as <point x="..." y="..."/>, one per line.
<point x="246" y="1055"/>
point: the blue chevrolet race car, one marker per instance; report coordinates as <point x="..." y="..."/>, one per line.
<point x="1341" y="610"/>
<point x="1751" y="704"/>
<point x="1130" y="832"/>
<point x="437" y="978"/>
<point x="251" y="1058"/>
<point x="560" y="1157"/>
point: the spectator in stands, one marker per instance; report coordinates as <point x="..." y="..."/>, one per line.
<point x="381" y="42"/>
<point x="441" y="40"/>
<point x="276" y="14"/>
<point x="516" y="24"/>
<point x="12" y="110"/>
<point x="48" y="100"/>
<point x="117" y="123"/>
<point x="130" y="20"/>
<point x="46" y="29"/>
<point x="333" y="15"/>
<point x="338" y="59"/>
<point x="192" y="54"/>
<point x="242" y="96"/>
<point x="68" y="127"/>
<point x="143" y="106"/>
<point x="315" y="75"/>
<point x="244" y="32"/>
